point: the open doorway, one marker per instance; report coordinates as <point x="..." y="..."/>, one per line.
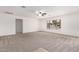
<point x="19" y="26"/>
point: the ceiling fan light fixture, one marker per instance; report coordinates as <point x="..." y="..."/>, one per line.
<point x="41" y="13"/>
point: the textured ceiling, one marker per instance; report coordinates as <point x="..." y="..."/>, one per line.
<point x="29" y="11"/>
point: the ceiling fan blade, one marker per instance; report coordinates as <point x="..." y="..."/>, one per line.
<point x="8" y="12"/>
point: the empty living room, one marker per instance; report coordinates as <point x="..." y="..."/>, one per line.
<point x="39" y="28"/>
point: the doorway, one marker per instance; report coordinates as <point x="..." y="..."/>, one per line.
<point x="19" y="26"/>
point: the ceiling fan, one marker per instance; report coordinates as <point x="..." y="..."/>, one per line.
<point x="23" y="6"/>
<point x="41" y="13"/>
<point x="8" y="12"/>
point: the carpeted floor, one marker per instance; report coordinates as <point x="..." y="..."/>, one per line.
<point x="29" y="42"/>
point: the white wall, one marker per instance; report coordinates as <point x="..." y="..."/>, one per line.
<point x="7" y="24"/>
<point x="30" y="25"/>
<point x="70" y="24"/>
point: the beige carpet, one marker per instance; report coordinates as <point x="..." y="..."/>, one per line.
<point x="29" y="42"/>
<point x="40" y="50"/>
